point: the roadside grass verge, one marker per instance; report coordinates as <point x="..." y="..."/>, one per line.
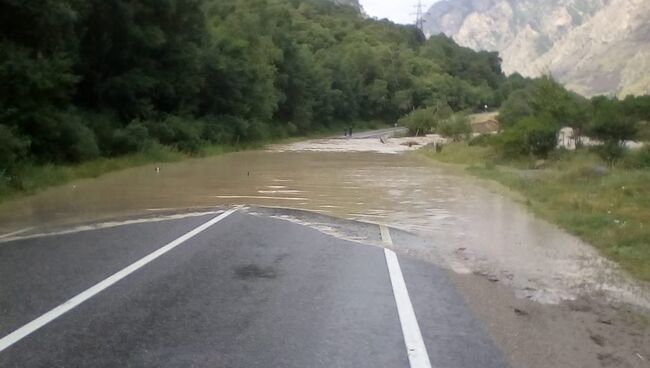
<point x="608" y="208"/>
<point x="33" y="178"/>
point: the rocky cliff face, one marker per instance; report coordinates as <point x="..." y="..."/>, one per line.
<point x="593" y="46"/>
<point x="354" y="3"/>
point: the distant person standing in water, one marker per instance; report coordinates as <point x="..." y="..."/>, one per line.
<point x="350" y="131"/>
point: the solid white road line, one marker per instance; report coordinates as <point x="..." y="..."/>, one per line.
<point x="48" y="317"/>
<point x="260" y="197"/>
<point x="9" y="235"/>
<point x="417" y="351"/>
<point x="104" y="225"/>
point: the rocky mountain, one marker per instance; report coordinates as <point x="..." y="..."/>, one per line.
<point x="593" y="46"/>
<point x="353" y="3"/>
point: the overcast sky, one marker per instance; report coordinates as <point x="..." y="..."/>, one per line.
<point x="399" y="11"/>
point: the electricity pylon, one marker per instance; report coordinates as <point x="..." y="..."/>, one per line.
<point x="419" y="16"/>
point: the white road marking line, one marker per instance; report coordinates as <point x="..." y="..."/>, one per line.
<point x="416" y="350"/>
<point x="9" y="235"/>
<point x="48" y="317"/>
<point x="385" y="235"/>
<point x="261" y="197"/>
<point x="104" y="225"/>
<point x="280" y="191"/>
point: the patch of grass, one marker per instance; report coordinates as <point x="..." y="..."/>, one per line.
<point x="32" y="178"/>
<point x="609" y="210"/>
<point x="462" y="154"/>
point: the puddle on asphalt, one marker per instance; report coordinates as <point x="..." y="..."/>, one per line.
<point x="358" y="179"/>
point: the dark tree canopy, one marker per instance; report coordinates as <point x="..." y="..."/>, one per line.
<point x="88" y="78"/>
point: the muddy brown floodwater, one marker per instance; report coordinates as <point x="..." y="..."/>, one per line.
<point x="470" y="228"/>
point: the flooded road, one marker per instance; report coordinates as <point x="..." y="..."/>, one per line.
<point x="468" y="227"/>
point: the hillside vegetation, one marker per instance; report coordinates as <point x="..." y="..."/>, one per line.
<point x="89" y="79"/>
<point x="599" y="192"/>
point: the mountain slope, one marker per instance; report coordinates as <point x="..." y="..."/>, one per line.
<point x="353" y="3"/>
<point x="594" y="46"/>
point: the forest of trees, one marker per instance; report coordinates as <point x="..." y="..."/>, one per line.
<point x="83" y="79"/>
<point x="531" y="118"/>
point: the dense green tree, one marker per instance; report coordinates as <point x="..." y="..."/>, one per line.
<point x="512" y="83"/>
<point x="456" y="127"/>
<point x="529" y="136"/>
<point x="553" y="100"/>
<point x="239" y="62"/>
<point x="427" y="120"/>
<point x="476" y="68"/>
<point x="37" y="55"/>
<point x="13" y="149"/>
<point x="141" y="57"/>
<point x="637" y="107"/>
<point x="516" y="107"/>
<point x="84" y="78"/>
<point x="610" y="123"/>
<point x="545" y="96"/>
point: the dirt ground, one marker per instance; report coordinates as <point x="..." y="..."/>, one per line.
<point x="585" y="333"/>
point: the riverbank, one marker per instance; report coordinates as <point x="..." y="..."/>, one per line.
<point x="608" y="207"/>
<point x="33" y="178"/>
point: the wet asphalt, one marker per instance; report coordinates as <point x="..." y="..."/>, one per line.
<point x="250" y="291"/>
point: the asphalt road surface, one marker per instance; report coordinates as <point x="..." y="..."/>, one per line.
<point x="237" y="290"/>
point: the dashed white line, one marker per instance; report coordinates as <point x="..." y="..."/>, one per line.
<point x="416" y="350"/>
<point x="385" y="235"/>
<point x="48" y="317"/>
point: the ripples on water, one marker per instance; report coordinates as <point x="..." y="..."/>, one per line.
<point x="465" y="223"/>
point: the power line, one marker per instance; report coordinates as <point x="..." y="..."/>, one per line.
<point x="419" y="16"/>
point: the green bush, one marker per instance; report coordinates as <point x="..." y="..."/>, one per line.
<point x="187" y="134"/>
<point x="184" y="134"/>
<point x="419" y="121"/>
<point x="76" y="141"/>
<point x="610" y="151"/>
<point x="541" y="140"/>
<point x="643" y="157"/>
<point x="58" y="137"/>
<point x="639" y="159"/>
<point x="457" y="127"/>
<point x="133" y="138"/>
<point x="644" y="131"/>
<point x="217" y="131"/>
<point x="103" y="126"/>
<point x="426" y="120"/>
<point x="516" y="107"/>
<point x="512" y="142"/>
<point x="13" y="150"/>
<point x="248" y="130"/>
<point x="610" y="123"/>
<point x="530" y="136"/>
<point x="483" y="140"/>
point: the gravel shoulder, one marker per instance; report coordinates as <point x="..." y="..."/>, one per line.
<point x="587" y="332"/>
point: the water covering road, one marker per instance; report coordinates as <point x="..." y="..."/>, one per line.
<point x="246" y="290"/>
<point x="470" y="228"/>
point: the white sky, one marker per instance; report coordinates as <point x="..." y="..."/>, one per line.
<point x="399" y="11"/>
